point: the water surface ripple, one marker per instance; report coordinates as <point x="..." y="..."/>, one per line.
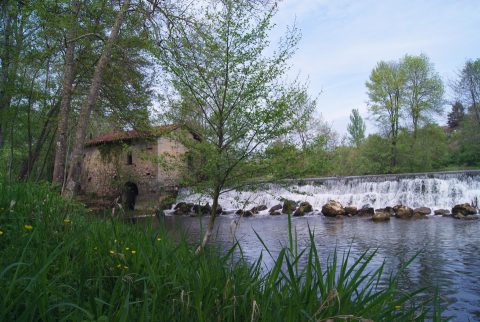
<point x="449" y="249"/>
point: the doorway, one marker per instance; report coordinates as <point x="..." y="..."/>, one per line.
<point x="130" y="194"/>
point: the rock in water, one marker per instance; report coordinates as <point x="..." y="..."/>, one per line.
<point x="402" y="211"/>
<point x="244" y="213"/>
<point x="275" y="208"/>
<point x="307" y="207"/>
<point x="257" y="209"/>
<point x="304" y="208"/>
<point x="333" y="208"/>
<point x="464" y="209"/>
<point x="366" y="211"/>
<point x="422" y="211"/>
<point x="182" y="208"/>
<point x="289" y="206"/>
<point x="441" y="212"/>
<point x="350" y="210"/>
<point x="381" y="215"/>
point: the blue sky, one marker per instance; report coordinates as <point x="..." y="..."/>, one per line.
<point x="343" y="40"/>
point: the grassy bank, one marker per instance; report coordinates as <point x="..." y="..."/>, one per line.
<point x="58" y="262"/>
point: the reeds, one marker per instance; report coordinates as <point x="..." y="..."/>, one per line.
<point x="74" y="266"/>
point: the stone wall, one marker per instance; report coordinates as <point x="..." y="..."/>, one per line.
<point x="154" y="169"/>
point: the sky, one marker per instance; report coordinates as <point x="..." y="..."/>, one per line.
<point x="343" y="40"/>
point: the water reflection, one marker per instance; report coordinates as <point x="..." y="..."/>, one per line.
<point x="449" y="249"/>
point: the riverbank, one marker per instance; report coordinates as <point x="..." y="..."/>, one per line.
<point x="60" y="262"/>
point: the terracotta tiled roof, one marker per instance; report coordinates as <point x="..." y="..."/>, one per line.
<point x="130" y="135"/>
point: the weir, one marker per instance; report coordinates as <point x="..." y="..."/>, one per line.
<point x="435" y="190"/>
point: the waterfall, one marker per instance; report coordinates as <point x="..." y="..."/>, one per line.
<point x="434" y="190"/>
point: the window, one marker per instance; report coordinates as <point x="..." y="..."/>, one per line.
<point x="129" y="157"/>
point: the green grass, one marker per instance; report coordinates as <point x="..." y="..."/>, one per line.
<point x="74" y="266"/>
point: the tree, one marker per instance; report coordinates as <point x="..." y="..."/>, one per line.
<point x="356" y="128"/>
<point x="12" y="25"/>
<point x="456" y="115"/>
<point x="468" y="87"/>
<point x="232" y="93"/>
<point x="385" y="100"/>
<point x="84" y="117"/>
<point x="66" y="96"/>
<point x="423" y="90"/>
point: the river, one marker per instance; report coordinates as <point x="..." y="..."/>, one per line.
<point x="449" y="249"/>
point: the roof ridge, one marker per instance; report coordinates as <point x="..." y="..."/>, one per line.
<point x="115" y="136"/>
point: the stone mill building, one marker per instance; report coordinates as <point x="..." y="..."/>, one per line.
<point x="140" y="167"/>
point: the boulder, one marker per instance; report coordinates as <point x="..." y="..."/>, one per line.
<point x="366" y="211"/>
<point x="464" y="209"/>
<point x="182" y="208"/>
<point x="257" y="209"/>
<point x="442" y="212"/>
<point x="351" y="210"/>
<point x="332" y="209"/>
<point x="422" y="211"/>
<point x="275" y="208"/>
<point x="244" y="213"/>
<point x="289" y="206"/>
<point x="304" y="208"/>
<point x="275" y="213"/>
<point x="199" y="210"/>
<point x="299" y="212"/>
<point x="307" y="207"/>
<point x="402" y="211"/>
<point x="388" y="210"/>
<point x="381" y="215"/>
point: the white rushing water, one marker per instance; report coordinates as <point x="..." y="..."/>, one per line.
<point x="433" y="190"/>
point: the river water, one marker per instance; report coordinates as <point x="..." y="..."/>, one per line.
<point x="449" y="249"/>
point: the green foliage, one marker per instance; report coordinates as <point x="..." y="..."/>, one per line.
<point x="466" y="143"/>
<point x="34" y="67"/>
<point x="356" y="128"/>
<point x="231" y="92"/>
<point x="468" y="87"/>
<point x="456" y="115"/>
<point x="58" y="262"/>
<point x="423" y="90"/>
<point x="385" y="94"/>
<point x="428" y="152"/>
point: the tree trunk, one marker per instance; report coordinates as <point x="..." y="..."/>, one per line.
<point x="25" y="169"/>
<point x="65" y="105"/>
<point x="73" y="180"/>
<point x="62" y="128"/>
<point x="9" y="63"/>
<point x="211" y="222"/>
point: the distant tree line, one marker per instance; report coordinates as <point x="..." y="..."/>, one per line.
<point x="404" y="98"/>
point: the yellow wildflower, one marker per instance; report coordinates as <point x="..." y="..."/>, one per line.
<point x="1" y="233"/>
<point x="159" y="239"/>
<point x="127" y="248"/>
<point x="398" y="307"/>
<point x="119" y="265"/>
<point x="134" y="252"/>
<point x="28" y="227"/>
<point x="67" y="221"/>
<point x="115" y="241"/>
<point x="126" y="267"/>
<point x="112" y="252"/>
